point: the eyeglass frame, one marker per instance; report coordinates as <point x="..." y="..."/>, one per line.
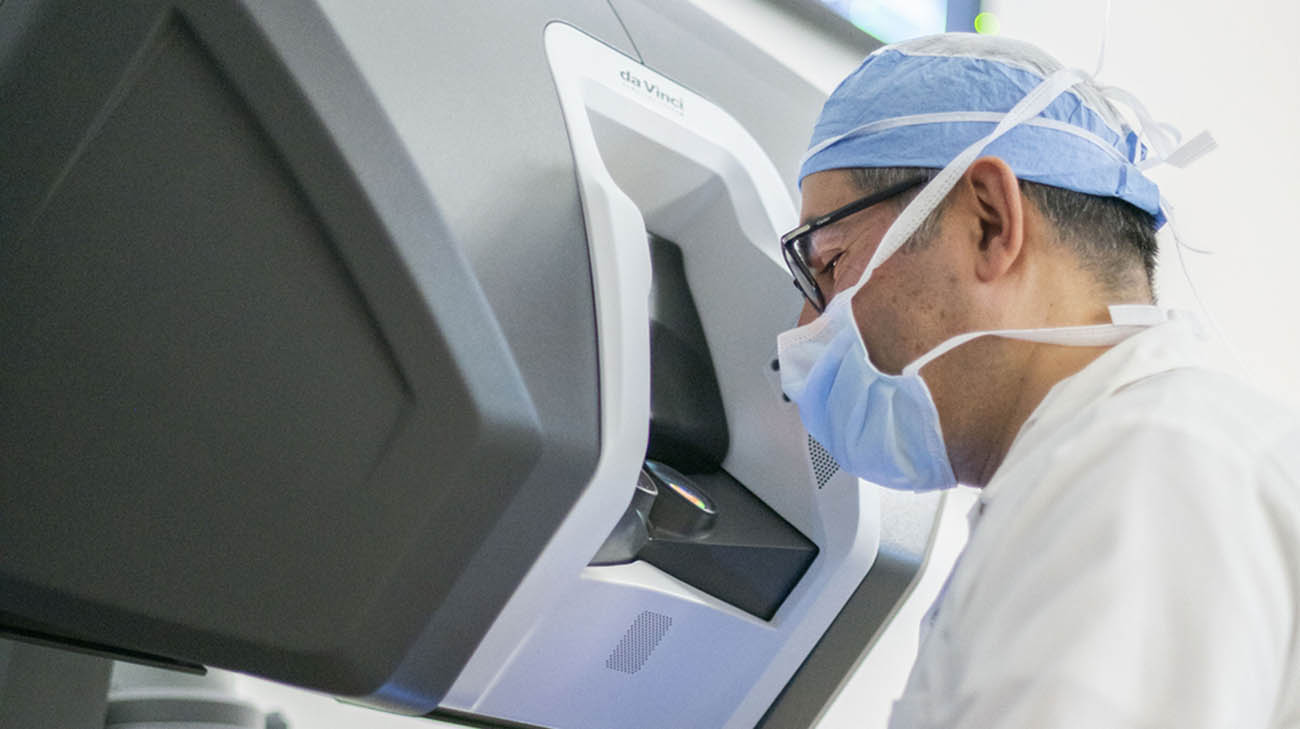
<point x="796" y="260"/>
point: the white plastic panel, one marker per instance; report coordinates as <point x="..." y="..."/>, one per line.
<point x="629" y="646"/>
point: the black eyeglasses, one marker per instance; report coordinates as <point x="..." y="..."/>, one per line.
<point x="796" y="246"/>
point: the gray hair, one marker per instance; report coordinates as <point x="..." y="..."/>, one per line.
<point x="1112" y="239"/>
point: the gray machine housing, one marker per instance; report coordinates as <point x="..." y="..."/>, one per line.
<point x="273" y="398"/>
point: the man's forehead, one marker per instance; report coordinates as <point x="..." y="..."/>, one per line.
<point x="825" y="191"/>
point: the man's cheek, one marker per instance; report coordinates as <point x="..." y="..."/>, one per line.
<point x="807" y="314"/>
<point x="878" y="326"/>
<point x="848" y="275"/>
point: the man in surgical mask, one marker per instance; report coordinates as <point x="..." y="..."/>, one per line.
<point x="977" y="254"/>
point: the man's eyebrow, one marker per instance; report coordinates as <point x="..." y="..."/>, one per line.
<point x="820" y="259"/>
<point x="809" y="218"/>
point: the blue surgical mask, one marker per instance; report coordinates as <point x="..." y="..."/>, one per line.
<point x="879" y="427"/>
<point x="885" y="428"/>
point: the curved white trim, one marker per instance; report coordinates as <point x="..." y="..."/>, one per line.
<point x="543" y="660"/>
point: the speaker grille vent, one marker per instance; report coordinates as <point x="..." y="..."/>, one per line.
<point x="640" y="640"/>
<point x="824" y="465"/>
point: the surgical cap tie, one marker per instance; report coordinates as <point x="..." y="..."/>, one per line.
<point x="1163" y="139"/>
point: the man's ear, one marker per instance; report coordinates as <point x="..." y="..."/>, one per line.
<point x="999" y="213"/>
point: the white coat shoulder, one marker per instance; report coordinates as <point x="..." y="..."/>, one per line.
<point x="1139" y="566"/>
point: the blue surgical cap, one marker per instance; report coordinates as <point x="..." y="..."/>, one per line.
<point x="919" y="103"/>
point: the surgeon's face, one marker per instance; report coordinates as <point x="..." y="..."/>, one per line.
<point x="901" y="312"/>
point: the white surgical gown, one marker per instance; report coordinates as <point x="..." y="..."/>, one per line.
<point x="1135" y="562"/>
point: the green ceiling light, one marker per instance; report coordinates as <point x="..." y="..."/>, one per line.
<point x="987" y="24"/>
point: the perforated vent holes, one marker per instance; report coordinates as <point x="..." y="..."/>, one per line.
<point x="824" y="466"/>
<point x="640" y="640"/>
